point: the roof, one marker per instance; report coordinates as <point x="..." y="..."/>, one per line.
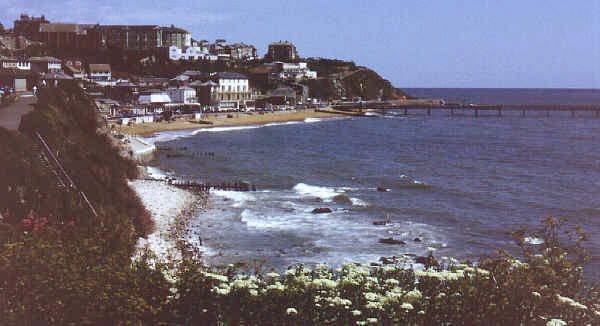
<point x="56" y="75"/>
<point x="73" y="69"/>
<point x="195" y="73"/>
<point x="231" y="75"/>
<point x="137" y="27"/>
<point x="282" y="91"/>
<point x="107" y="101"/>
<point x="59" y="27"/>
<point x="99" y="67"/>
<point x="44" y="59"/>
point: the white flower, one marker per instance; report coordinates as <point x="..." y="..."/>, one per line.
<point x="421" y="312"/>
<point x="392" y="282"/>
<point x="253" y="292"/>
<point x="536" y="294"/>
<point x="430" y="249"/>
<point x="407" y="306"/>
<point x="272" y="275"/>
<point x="570" y="302"/>
<point x="372" y="320"/>
<point x="413" y="295"/>
<point x="556" y="322"/>
<point x="356" y="312"/>
<point x="291" y="311"/>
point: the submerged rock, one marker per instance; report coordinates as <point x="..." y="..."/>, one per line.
<point x="321" y="210"/>
<point x="391" y="241"/>
<point x="342" y="199"/>
<point x="381" y="222"/>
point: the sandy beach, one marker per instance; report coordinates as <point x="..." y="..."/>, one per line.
<point x="223" y="119"/>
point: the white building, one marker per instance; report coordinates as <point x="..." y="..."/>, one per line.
<point x="185" y="95"/>
<point x="15" y="63"/>
<point x="233" y="90"/>
<point x="99" y="73"/>
<point x="296" y="71"/>
<point x="192" y="53"/>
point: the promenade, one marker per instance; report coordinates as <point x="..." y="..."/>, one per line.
<point x="10" y="116"/>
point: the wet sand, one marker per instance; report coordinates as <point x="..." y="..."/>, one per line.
<point x="222" y="119"/>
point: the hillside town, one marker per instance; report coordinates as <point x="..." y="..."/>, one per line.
<point x="277" y="81"/>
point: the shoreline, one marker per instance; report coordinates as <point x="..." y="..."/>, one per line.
<point x="212" y="120"/>
<point x="170" y="207"/>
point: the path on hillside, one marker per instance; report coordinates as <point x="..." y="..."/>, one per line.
<point x="10" y="116"/>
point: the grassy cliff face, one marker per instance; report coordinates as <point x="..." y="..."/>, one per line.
<point x="69" y="123"/>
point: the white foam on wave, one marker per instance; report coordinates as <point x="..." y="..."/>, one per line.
<point x="156" y="173"/>
<point x="219" y="129"/>
<point x="282" y="123"/>
<point x="533" y="241"/>
<point x="239" y="198"/>
<point x="358" y="202"/>
<point x="311" y="120"/>
<point x="325" y="193"/>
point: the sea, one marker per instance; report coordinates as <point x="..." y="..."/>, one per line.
<point x="457" y="184"/>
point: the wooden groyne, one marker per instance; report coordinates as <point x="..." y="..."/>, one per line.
<point x="207" y="186"/>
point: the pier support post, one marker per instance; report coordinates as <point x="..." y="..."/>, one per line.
<point x="405" y="111"/>
<point x="428" y="111"/>
<point x="476" y="113"/>
<point x="572" y="113"/>
<point x="451" y="112"/>
<point x="499" y="111"/>
<point x="548" y="113"/>
<point x="523" y="113"/>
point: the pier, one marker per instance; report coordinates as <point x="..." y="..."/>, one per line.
<point x="428" y="106"/>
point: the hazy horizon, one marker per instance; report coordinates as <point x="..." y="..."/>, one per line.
<point x="414" y="44"/>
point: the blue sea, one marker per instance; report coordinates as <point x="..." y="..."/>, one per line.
<point x="457" y="184"/>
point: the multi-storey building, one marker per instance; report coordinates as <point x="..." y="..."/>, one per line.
<point x="14" y="63"/>
<point x="65" y="36"/>
<point x="100" y="73"/>
<point x="233" y="90"/>
<point x="185" y="95"/>
<point x="29" y="26"/>
<point x="281" y="51"/>
<point x="74" y="68"/>
<point x="242" y="52"/>
<point x="296" y="71"/>
<point x="143" y="37"/>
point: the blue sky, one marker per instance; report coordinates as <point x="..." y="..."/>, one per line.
<point x="413" y="43"/>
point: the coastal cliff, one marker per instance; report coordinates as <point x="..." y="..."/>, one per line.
<point x="343" y="79"/>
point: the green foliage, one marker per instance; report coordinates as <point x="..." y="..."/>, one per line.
<point x="59" y="266"/>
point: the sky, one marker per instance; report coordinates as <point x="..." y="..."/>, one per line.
<point x="413" y="43"/>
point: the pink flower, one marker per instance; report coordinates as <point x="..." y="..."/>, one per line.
<point x="60" y="245"/>
<point x="71" y="223"/>
<point x="27" y="222"/>
<point x="36" y="227"/>
<point x="44" y="220"/>
<point x="30" y="216"/>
